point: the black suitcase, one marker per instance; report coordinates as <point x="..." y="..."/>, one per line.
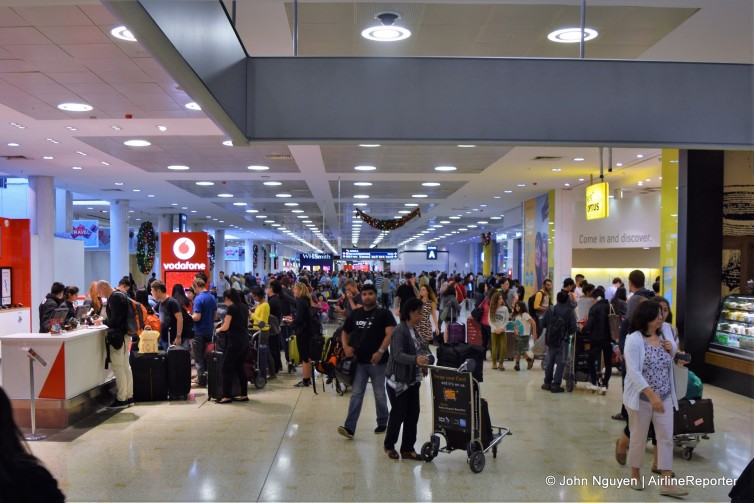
<point x="694" y="417"/>
<point x="150" y="376"/>
<point x="453" y="355"/>
<point x="215" y="377"/>
<point x="179" y="372"/>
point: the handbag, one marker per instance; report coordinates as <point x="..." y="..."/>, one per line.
<point x="614" y="321"/>
<point x="445" y="312"/>
<point x="681" y="379"/>
<point x="345" y="369"/>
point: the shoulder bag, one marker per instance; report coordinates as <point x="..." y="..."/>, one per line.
<point x="614" y="321"/>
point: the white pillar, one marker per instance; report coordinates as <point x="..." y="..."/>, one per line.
<point x="63" y="210"/>
<point x="563" y="248"/>
<point x="119" y="264"/>
<point x="219" y="253"/>
<point x="41" y="211"/>
<point x="248" y="263"/>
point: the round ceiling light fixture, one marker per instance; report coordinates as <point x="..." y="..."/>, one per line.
<point x="387" y="31"/>
<point x="572" y="35"/>
<point x="123" y="33"/>
<point x="136" y="143"/>
<point x="258" y="168"/>
<point x="193" y="106"/>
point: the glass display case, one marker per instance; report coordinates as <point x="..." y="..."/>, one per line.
<point x="734" y="330"/>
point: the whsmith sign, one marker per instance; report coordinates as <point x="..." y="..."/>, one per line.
<point x="317" y="256"/>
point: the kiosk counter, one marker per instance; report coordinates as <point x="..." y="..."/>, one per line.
<point x="69" y="387"/>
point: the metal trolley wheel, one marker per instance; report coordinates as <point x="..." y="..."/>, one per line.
<point x="260" y="382"/>
<point x="476" y="462"/>
<point x="428" y="452"/>
<point x="687" y="453"/>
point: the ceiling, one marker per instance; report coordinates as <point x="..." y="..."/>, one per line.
<point x="55" y="51"/>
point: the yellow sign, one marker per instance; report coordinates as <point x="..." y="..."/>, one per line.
<point x="597" y="202"/>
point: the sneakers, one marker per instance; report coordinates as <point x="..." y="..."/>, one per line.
<point x="545" y="387"/>
<point x="592" y="387"/>
<point x="673" y="491"/>
<point x="130" y="402"/>
<point x="345" y="432"/>
<point x="656" y="470"/>
<point x="557" y="389"/>
<point x="380" y="429"/>
<point x="117" y="404"/>
<point x="603" y="390"/>
<point x="637" y="484"/>
<point x="305" y="383"/>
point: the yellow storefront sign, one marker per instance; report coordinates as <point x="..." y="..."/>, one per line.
<point x="597" y="202"/>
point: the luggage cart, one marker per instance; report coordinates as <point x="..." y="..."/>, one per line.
<point x="577" y="360"/>
<point x="460" y="416"/>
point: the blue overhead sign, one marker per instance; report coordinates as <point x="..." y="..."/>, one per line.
<point x="369" y="254"/>
<point x="431" y="253"/>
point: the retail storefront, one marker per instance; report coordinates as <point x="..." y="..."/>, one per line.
<point x="317" y="261"/>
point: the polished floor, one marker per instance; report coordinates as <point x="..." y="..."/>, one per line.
<point x="283" y="446"/>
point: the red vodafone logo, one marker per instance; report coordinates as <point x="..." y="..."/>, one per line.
<point x="184" y="248"/>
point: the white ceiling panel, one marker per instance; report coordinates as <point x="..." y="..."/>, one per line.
<point x="15" y="65"/>
<point x="62" y="64"/>
<point x="8" y="17"/>
<point x="111" y="65"/>
<point x="38" y="52"/>
<point x="75" y="78"/>
<point x="75" y="34"/>
<point x="100" y="15"/>
<point x="94" y="51"/>
<point x="21" y="35"/>
<point x="53" y="15"/>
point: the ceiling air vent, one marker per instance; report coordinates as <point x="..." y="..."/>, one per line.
<point x="278" y="157"/>
<point x="547" y="158"/>
<point x="16" y="158"/>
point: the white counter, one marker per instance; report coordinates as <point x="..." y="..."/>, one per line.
<point x="75" y="364"/>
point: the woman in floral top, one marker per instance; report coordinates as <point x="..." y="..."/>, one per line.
<point x="428" y="314"/>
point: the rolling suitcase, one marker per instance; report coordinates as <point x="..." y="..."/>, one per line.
<point x="179" y="372"/>
<point x="473" y="332"/>
<point x="215" y="377"/>
<point x="150" y="376"/>
<point x="454" y="332"/>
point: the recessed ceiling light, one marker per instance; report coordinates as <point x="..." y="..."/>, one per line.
<point x="567" y="184"/>
<point x="136" y="143"/>
<point x="272" y="184"/>
<point x="361" y="196"/>
<point x="418" y="195"/>
<point x="578" y="159"/>
<point x="12" y="144"/>
<point x="52" y="140"/>
<point x="581" y="179"/>
<point x="369" y="145"/>
<point x="225" y="195"/>
<point x="240" y="204"/>
<point x="410" y="204"/>
<point x="472" y="226"/>
<point x="482" y="222"/>
<point x="162" y="128"/>
<point x="48" y="158"/>
<point x="269" y="221"/>
<point x="178" y="167"/>
<point x="445" y="221"/>
<point x="77" y="168"/>
<point x="364" y="168"/>
<point x="193" y="106"/>
<point x="496" y="197"/>
<point x="283" y="194"/>
<point x="104" y="163"/>
<point x="228" y="143"/>
<point x="496" y="218"/>
<point x="258" y="168"/>
<point x="386" y="31"/>
<point x="276" y="225"/>
<point x="674" y="161"/>
<point x="193" y="211"/>
<point x="520" y="185"/>
<point x="363" y="184"/>
<point x="557" y="170"/>
<point x="455" y="218"/>
<point x="430" y="184"/>
<point x="75" y="107"/>
<point x="619" y="164"/>
<point x="464" y="228"/>
<point x="136" y="190"/>
<point x="404" y="212"/>
<point x="261" y="216"/>
<point x="297" y="211"/>
<point x="467" y="146"/>
<point x="445" y="168"/>
<point x="205" y="183"/>
<point x="360" y="204"/>
<point x="150" y="195"/>
<point x="123" y="33"/>
<point x="173" y="204"/>
<point x="640" y="156"/>
<point x="572" y="35"/>
<point x="118" y="183"/>
<point x="291" y="204"/>
<point x="252" y="211"/>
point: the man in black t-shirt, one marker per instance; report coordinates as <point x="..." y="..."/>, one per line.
<point x="171" y="317"/>
<point x="366" y="334"/>
<point x="407" y="290"/>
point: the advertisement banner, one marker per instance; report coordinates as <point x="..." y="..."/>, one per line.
<point x="235" y="253"/>
<point x="536" y="242"/>
<point x="86" y="231"/>
<point x="451" y="392"/>
<point x="183" y="252"/>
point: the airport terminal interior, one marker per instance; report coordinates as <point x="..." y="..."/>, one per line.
<point x="102" y="126"/>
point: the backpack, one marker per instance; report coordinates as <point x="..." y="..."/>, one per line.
<point x="274" y="324"/>
<point x="530" y="305"/>
<point x="556" y="331"/>
<point x="478" y="311"/>
<point x="317" y="332"/>
<point x="188" y="325"/>
<point x="136" y="316"/>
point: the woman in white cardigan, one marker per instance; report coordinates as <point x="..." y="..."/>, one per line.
<point x="649" y="394"/>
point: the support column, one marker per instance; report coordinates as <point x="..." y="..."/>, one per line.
<point x="219" y="253"/>
<point x="63" y="210"/>
<point x="119" y="265"/>
<point x="41" y="211"/>
<point x="164" y="224"/>
<point x="563" y="246"/>
<point x="248" y="263"/>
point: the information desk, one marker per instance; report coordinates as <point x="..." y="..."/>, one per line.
<point x="69" y="387"/>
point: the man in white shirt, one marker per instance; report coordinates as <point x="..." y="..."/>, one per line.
<point x="610" y="292"/>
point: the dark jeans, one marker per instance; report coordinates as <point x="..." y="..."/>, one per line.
<point x="486" y="336"/>
<point x="604" y="348"/>
<point x="555" y="357"/>
<point x="274" y="346"/>
<point x="198" y="345"/>
<point x="404" y="411"/>
<point x="285" y="333"/>
<point x="386" y="300"/>
<point x="233" y="368"/>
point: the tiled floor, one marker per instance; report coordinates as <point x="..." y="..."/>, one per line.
<point x="283" y="446"/>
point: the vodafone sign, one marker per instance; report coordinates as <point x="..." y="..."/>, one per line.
<point x="184" y="251"/>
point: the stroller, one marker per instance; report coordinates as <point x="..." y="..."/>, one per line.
<point x="461" y="416"/>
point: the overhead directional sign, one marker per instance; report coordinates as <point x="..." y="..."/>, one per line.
<point x="431" y="253"/>
<point x="369" y="253"/>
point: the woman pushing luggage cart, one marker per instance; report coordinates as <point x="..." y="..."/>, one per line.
<point x="461" y="416"/>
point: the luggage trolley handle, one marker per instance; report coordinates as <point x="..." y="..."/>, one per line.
<point x="466" y="367"/>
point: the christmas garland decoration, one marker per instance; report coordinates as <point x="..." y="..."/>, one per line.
<point x="264" y="258"/>
<point x="486" y="238"/>
<point x="211" y="254"/>
<point x="146" y="247"/>
<point x="256" y="256"/>
<point x="388" y="225"/>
